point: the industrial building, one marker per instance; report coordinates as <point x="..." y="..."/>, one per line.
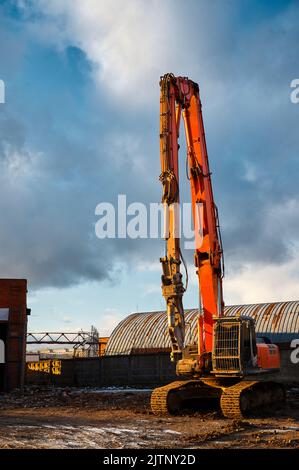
<point x="138" y="350"/>
<point x="147" y="332"/>
<point x="13" y="329"/>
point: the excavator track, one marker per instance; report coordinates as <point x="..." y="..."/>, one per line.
<point x="246" y="396"/>
<point x="231" y="402"/>
<point x="159" y="396"/>
<point x="235" y="401"/>
<point x="166" y="400"/>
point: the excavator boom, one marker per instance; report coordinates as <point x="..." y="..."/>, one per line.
<point x="180" y="97"/>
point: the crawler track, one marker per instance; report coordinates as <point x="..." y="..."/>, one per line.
<point x="172" y="398"/>
<point x="247" y="396"/>
<point x="235" y="400"/>
<point x="160" y="396"/>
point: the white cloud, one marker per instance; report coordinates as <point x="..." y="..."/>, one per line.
<point x="19" y="166"/>
<point x="150" y="288"/>
<point x="123" y="148"/>
<point x="109" y="320"/>
<point x="256" y="284"/>
<point x="128" y="42"/>
<point x="252" y="282"/>
<point x="250" y="172"/>
<point x="147" y="266"/>
<point x="67" y="319"/>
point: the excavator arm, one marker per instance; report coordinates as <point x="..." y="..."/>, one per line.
<point x="180" y="97"/>
<point x="172" y="285"/>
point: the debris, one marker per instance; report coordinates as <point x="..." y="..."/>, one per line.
<point x="96" y="418"/>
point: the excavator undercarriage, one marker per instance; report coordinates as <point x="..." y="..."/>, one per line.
<point x="235" y="400"/>
<point x="238" y="380"/>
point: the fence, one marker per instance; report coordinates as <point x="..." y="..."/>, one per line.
<point x="134" y="370"/>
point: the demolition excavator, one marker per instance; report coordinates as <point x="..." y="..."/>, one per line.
<point x="229" y="363"/>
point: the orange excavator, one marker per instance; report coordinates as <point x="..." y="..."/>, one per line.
<point x="229" y="363"/>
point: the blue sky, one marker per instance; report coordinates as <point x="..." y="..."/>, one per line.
<point x="80" y="125"/>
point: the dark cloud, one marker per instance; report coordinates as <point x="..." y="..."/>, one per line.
<point x="55" y="170"/>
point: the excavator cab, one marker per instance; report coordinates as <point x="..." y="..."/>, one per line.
<point x="235" y="350"/>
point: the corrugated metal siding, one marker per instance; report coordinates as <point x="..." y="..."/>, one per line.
<point x="279" y="321"/>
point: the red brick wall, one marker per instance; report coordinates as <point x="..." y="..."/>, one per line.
<point x="13" y="296"/>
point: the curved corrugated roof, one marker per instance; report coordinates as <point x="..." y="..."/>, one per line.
<point x="279" y="321"/>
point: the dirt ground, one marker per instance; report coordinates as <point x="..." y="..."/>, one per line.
<point x="121" y="418"/>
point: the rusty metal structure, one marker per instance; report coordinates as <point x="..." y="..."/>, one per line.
<point x="147" y="332"/>
<point x="102" y="345"/>
<point x="85" y="343"/>
<point x="13" y="327"/>
<point x="76" y="338"/>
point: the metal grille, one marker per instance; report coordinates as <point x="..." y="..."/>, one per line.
<point x="226" y="351"/>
